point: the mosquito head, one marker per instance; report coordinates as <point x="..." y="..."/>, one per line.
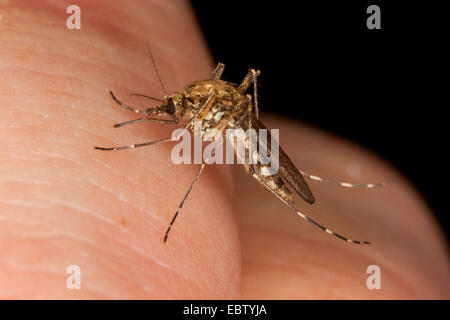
<point x="173" y="103"/>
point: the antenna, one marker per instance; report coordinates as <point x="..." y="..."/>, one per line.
<point x="156" y="69"/>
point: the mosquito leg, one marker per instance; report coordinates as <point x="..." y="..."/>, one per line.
<point x="254" y="148"/>
<point x="326" y="229"/>
<point x="124" y="105"/>
<point x="255" y="92"/>
<point x="217" y="72"/>
<point x="248" y="80"/>
<point x="344" y="184"/>
<point x="121" y="124"/>
<point x="166" y="121"/>
<point x="145" y="96"/>
<point x="305" y="217"/>
<point x="131" y="146"/>
<point x="174" y="120"/>
<point x="209" y="103"/>
<point x="182" y="201"/>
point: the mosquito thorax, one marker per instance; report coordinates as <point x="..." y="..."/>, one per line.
<point x="226" y="97"/>
<point x="225" y="90"/>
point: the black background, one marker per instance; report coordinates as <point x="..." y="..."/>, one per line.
<point x="385" y="89"/>
<point x="173" y="309"/>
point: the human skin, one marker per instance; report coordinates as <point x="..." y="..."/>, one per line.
<point x="63" y="203"/>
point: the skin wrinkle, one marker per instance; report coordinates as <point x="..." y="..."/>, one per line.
<point x="95" y="65"/>
<point x="90" y="243"/>
<point x="103" y="163"/>
<point x="55" y="56"/>
<point x="119" y="197"/>
<point x="66" y="78"/>
<point x="22" y="203"/>
<point x="124" y="199"/>
<point x="129" y="245"/>
<point x="73" y="79"/>
<point x="104" y="294"/>
<point x="113" y="223"/>
<point x="32" y="112"/>
<point x="31" y="231"/>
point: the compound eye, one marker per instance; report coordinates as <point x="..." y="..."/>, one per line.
<point x="171" y="106"/>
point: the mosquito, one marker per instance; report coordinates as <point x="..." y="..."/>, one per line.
<point x="221" y="105"/>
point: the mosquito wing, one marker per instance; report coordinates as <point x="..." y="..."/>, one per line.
<point x="287" y="169"/>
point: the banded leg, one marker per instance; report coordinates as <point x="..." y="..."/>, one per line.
<point x="251" y="77"/>
<point x="182" y="201"/>
<point x="124" y="105"/>
<point x="345" y="184"/>
<point x="217" y="72"/>
<point x="208" y="104"/>
<point x="305" y="217"/>
<point x="147" y="112"/>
